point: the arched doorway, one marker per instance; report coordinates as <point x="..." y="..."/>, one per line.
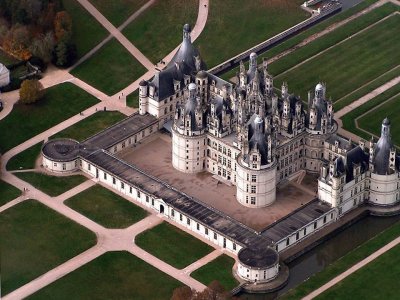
<point x="161" y="208"/>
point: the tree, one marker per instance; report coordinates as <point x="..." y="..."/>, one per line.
<point x="182" y="293"/>
<point x="63" y="26"/>
<point x="43" y="47"/>
<point x="31" y="91"/>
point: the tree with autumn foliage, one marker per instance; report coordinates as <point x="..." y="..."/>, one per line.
<point x="31" y="91"/>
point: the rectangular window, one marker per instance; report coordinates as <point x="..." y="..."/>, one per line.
<point x="253" y="189"/>
<point x="64" y="167"/>
<point x="198" y="226"/>
<point x="138" y="194"/>
<point x="215" y="236"/>
<point x="122" y="185"/>
<point x="206" y="230"/>
<point x="105" y="176"/>
<point x="253" y="178"/>
<point x="113" y="180"/>
<point x="147" y="198"/>
<point x="152" y="201"/>
<point x="315" y="225"/>
<point x="88" y="167"/>
<point x="130" y="190"/>
<point x="180" y="217"/>
<point x="253" y="200"/>
<point x="234" y="246"/>
<point x="188" y="221"/>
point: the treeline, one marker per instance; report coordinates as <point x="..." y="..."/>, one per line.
<point x="37" y="28"/>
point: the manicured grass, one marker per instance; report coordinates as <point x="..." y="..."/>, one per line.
<point x="350" y="98"/>
<point x="59" y="103"/>
<point x="172" y="245"/>
<point x="219" y="269"/>
<point x="87" y="32"/>
<point x="106" y="208"/>
<point x="25" y="159"/>
<point x="377" y="280"/>
<point x="349" y="119"/>
<point x="110" y="69"/>
<point x="349" y="65"/>
<point x="117" y="11"/>
<point x="344" y="263"/>
<point x="8" y="192"/>
<point x="249" y="22"/>
<point x="36" y="239"/>
<point x="51" y="185"/>
<point x="293" y="41"/>
<point x="90" y="125"/>
<point x="158" y="30"/>
<point x="114" y="275"/>
<point x="132" y="100"/>
<point x="372" y="121"/>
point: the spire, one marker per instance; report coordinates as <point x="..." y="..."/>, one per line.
<point x="253" y="61"/>
<point x="186" y="33"/>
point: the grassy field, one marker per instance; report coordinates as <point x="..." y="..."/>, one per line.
<point x="90" y="125"/>
<point x="8" y="192"/>
<point x="132" y="100"/>
<point x="350" y="64"/>
<point x="36" y="239"/>
<point x="106" y="208"/>
<point x="117" y="11"/>
<point x="114" y="275"/>
<point x="25" y="159"/>
<point x="372" y="121"/>
<point x="293" y="41"/>
<point x="357" y="94"/>
<point x="172" y="245"/>
<point x="342" y="264"/>
<point x="110" y="69"/>
<point x="377" y="280"/>
<point x="219" y="269"/>
<point x="60" y="103"/>
<point x="158" y="30"/>
<point x="87" y="32"/>
<point x="249" y="22"/>
<point x="51" y="185"/>
<point x="349" y="119"/>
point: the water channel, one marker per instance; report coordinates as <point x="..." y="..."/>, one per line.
<point x="328" y="252"/>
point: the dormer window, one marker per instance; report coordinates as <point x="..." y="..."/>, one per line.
<point x="254" y="157"/>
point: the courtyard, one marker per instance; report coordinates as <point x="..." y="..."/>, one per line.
<point x="154" y="157"/>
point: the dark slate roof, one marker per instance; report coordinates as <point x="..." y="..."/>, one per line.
<point x="61" y="150"/>
<point x="382" y="150"/>
<point x="120" y="131"/>
<point x="258" y="258"/>
<point x="296" y="220"/>
<point x="257" y="138"/>
<point x="343" y="143"/>
<point x="181" y="202"/>
<point x="356" y="156"/>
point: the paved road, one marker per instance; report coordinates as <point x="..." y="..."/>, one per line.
<point x="352" y="269"/>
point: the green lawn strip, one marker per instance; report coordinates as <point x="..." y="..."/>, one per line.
<point x="250" y="23"/>
<point x="87" y="32"/>
<point x="8" y="192"/>
<point x="379" y="279"/>
<point x="60" y="103"/>
<point x="117" y="11"/>
<point x="344" y="263"/>
<point x="293" y="41"/>
<point x="158" y="30"/>
<point x="36" y="239"/>
<point x="350" y="98"/>
<point x="90" y="125"/>
<point x="172" y="245"/>
<point x="372" y="121"/>
<point x="51" y="185"/>
<point x="219" y="269"/>
<point x="331" y="39"/>
<point x="110" y="69"/>
<point x="349" y="118"/>
<point x="25" y="159"/>
<point x="349" y="65"/>
<point x="132" y="100"/>
<point x="114" y="275"/>
<point x="106" y="208"/>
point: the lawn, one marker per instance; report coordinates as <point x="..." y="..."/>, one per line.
<point x="8" y="192"/>
<point x="377" y="280"/>
<point x="25" y="159"/>
<point x="372" y="121"/>
<point x="172" y="245"/>
<point x="86" y="32"/>
<point x="350" y="64"/>
<point x="90" y="125"/>
<point x="106" y="208"/>
<point x="349" y="118"/>
<point x="59" y="103"/>
<point x="249" y="22"/>
<point x="114" y="275"/>
<point x="36" y="239"/>
<point x="132" y="100"/>
<point x="51" y="185"/>
<point x="117" y="11"/>
<point x="342" y="264"/>
<point x="110" y="69"/>
<point x="219" y="269"/>
<point x="158" y="30"/>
